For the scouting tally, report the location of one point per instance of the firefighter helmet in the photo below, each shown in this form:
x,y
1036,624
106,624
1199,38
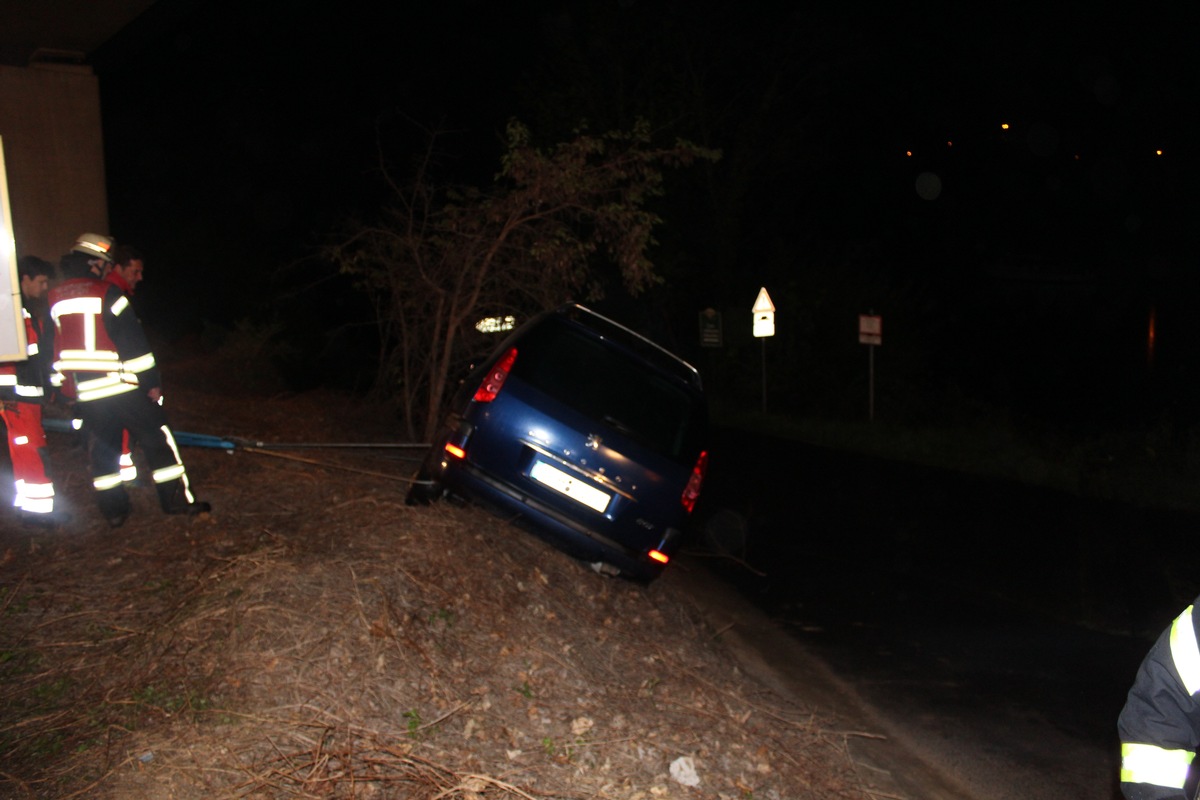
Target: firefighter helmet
x,y
94,245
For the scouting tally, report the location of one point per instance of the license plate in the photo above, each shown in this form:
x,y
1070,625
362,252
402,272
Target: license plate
x,y
575,489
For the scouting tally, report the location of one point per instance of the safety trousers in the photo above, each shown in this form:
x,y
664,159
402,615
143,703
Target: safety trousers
x,y
105,420
30,463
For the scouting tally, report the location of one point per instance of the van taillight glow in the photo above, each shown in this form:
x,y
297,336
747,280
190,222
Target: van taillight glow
x,y
692,491
455,450
494,382
661,558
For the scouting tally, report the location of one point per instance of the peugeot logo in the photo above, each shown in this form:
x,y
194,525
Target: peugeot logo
x,y
594,441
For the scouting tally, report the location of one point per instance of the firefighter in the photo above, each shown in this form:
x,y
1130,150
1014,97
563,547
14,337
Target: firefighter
x,y
126,272
24,387
1160,723
108,367
127,268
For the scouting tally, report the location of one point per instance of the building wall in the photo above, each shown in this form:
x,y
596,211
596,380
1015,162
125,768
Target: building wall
x,y
54,155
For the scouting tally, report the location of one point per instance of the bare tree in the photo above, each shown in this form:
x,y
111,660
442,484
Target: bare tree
x,y
440,259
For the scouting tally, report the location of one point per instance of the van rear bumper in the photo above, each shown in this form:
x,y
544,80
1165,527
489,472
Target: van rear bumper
x,y
572,536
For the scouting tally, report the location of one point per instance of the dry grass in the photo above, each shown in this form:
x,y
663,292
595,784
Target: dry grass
x,y
315,638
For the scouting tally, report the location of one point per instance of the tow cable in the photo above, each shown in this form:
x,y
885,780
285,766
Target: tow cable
x,y
272,448
230,444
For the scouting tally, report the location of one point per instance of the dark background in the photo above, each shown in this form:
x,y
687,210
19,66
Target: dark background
x,y
1025,279
865,168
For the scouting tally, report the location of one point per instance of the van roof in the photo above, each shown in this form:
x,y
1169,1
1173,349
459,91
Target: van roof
x,y
631,340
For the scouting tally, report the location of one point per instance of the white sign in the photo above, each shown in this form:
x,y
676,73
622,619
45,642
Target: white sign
x,y
496,324
870,329
764,314
12,326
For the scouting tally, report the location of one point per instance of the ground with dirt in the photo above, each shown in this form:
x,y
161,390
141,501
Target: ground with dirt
x,y
315,637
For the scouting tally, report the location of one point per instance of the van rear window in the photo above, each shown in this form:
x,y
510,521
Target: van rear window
x,y
610,387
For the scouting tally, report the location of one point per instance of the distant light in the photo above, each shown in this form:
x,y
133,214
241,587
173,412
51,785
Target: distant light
x,y
1003,126
908,153
1151,335
949,144
1158,152
496,324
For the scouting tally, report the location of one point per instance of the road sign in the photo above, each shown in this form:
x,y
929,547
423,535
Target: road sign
x,y
870,329
764,314
710,328
870,332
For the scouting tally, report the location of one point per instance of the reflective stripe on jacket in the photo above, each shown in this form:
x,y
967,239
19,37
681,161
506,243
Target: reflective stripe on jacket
x,y
100,342
1160,723
23,380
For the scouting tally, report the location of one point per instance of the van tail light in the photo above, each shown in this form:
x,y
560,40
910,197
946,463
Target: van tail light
x,y
669,542
455,450
691,492
494,381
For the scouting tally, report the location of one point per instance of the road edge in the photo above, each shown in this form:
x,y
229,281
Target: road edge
x,y
887,766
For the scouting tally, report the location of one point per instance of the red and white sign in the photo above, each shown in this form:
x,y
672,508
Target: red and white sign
x,y
870,329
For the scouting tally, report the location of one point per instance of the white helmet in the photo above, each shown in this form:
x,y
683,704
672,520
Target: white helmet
x,y
94,245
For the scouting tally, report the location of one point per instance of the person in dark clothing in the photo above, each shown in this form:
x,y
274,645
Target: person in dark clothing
x,y
1159,726
126,272
110,370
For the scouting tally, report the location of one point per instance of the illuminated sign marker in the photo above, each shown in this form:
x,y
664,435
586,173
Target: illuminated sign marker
x,y
496,324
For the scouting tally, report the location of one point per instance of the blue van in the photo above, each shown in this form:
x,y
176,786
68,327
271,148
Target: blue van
x,y
590,433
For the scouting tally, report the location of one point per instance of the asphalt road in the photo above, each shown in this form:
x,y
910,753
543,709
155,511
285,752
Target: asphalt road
x,y
994,627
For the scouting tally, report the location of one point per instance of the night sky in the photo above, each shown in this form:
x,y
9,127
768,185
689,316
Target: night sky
x,y
237,136
864,157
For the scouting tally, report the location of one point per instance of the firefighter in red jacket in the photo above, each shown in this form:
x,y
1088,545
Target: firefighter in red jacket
x,y
1160,723
102,351
24,386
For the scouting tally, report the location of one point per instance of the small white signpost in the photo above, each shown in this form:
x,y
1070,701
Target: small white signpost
x,y
764,314
870,333
764,326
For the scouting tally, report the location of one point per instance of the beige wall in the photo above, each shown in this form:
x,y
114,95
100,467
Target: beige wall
x,y
54,153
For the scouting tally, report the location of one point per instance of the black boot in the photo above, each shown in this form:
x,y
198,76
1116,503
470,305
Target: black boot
x,y
114,505
191,509
175,499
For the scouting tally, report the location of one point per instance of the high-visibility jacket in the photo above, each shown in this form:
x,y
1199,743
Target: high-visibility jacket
x,y
23,386
1160,723
24,381
100,344
129,471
